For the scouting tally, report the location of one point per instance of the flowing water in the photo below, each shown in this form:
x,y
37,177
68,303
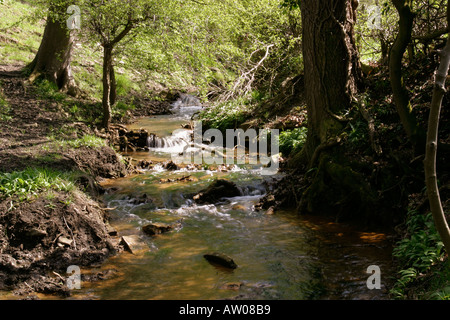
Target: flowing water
x,y
279,256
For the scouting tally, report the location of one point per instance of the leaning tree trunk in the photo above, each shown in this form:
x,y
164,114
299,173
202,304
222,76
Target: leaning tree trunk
x,y
54,56
431,148
401,98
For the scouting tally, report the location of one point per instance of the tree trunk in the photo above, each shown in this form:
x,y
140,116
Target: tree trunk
x,y
113,91
331,66
431,149
54,55
332,77
401,98
107,83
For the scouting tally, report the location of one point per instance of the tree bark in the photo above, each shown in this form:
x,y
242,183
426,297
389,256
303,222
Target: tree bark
x,y
401,98
431,149
331,66
54,56
107,72
109,76
332,78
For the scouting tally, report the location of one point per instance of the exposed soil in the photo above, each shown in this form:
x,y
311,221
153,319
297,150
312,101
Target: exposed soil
x,y
43,235
40,238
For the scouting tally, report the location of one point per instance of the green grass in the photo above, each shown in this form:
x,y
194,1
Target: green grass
x,y
49,91
25,184
88,141
20,32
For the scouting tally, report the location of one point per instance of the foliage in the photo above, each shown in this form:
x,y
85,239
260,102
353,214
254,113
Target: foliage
x,y
31,181
292,140
375,29
423,246
196,47
88,141
48,90
418,253
226,115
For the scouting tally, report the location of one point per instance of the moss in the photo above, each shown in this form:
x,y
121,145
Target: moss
x,y
338,190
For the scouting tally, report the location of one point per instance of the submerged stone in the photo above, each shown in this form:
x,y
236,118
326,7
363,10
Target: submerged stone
x,y
156,228
132,243
219,189
220,259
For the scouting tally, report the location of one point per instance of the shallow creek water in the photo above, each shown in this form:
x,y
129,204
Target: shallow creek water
x,y
279,256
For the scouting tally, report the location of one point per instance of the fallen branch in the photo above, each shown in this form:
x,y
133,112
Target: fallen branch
x,y
243,84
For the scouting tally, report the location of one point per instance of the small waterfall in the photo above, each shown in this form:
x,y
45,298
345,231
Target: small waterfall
x,y
171,144
184,108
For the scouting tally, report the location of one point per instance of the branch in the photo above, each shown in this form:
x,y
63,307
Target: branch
x,y
431,36
246,80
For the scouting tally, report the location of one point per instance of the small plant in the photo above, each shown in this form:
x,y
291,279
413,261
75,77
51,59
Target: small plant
x,y
226,115
120,109
423,247
49,91
89,141
31,181
419,252
292,140
124,85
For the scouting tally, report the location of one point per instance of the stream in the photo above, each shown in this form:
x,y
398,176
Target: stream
x,y
279,256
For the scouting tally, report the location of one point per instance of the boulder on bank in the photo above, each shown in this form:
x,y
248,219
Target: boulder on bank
x,y
220,259
219,189
129,140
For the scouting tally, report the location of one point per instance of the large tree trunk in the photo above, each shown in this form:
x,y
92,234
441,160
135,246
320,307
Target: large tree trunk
x,y
401,98
331,66
54,56
332,78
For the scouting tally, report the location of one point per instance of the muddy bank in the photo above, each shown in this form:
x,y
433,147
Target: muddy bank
x,y
41,236
40,239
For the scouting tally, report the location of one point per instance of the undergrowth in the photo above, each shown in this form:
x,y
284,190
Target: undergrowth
x,y
292,140
31,181
89,141
424,269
